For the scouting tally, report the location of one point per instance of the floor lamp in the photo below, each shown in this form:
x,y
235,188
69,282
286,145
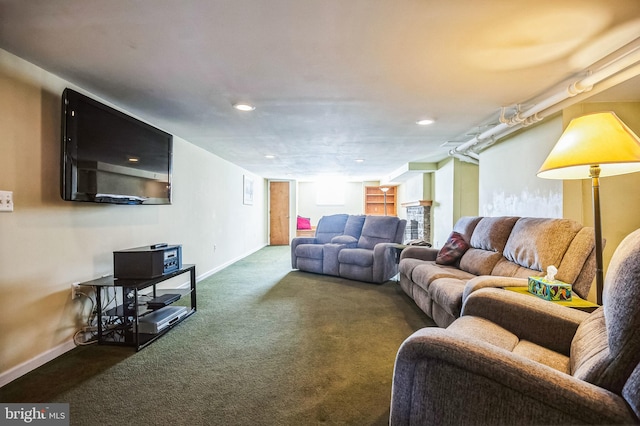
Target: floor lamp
x,y
384,190
594,146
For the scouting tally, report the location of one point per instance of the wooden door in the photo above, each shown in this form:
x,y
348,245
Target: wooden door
x,y
278,213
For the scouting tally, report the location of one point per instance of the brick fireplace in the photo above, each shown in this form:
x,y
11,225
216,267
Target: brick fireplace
x,y
418,220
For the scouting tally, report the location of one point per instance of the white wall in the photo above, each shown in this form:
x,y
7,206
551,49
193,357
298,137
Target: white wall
x,y
46,243
465,189
455,189
508,182
443,207
308,204
416,188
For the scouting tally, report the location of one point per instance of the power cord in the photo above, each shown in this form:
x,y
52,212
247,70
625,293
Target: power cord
x,y
89,327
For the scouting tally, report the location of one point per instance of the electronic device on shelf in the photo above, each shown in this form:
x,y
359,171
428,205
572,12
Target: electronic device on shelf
x,y
110,157
156,321
147,261
162,300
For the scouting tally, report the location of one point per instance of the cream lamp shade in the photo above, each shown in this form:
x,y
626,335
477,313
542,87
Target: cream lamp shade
x,y
598,139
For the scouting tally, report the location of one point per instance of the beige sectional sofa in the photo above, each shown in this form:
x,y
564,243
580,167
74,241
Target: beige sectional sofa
x,y
499,252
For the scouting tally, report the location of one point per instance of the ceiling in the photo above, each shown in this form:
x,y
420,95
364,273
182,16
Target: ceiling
x,y
332,81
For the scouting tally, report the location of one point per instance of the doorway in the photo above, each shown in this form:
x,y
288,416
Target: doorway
x,y
279,213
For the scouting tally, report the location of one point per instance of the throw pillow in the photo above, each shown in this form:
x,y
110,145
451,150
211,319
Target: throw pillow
x,y
452,250
304,222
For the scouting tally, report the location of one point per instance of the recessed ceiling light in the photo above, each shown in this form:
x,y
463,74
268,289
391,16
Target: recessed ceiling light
x,y
269,156
133,159
359,160
425,121
244,107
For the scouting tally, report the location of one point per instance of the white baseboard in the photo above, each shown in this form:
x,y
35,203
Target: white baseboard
x,y
229,263
35,362
27,366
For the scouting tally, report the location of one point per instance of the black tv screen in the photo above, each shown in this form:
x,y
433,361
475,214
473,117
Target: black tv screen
x,y
110,157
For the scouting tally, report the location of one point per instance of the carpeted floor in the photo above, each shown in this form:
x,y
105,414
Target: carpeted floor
x,y
268,346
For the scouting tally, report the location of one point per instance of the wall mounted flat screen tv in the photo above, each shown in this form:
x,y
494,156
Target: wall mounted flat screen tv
x,y
110,157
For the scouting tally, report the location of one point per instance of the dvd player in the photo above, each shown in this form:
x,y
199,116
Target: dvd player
x,y
164,300
156,321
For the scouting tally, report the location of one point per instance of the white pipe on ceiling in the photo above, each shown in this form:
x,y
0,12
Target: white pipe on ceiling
x,y
530,116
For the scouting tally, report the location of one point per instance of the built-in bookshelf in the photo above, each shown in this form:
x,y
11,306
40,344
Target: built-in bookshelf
x,y
376,201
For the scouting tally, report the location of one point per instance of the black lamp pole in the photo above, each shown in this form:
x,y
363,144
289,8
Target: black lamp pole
x,y
594,172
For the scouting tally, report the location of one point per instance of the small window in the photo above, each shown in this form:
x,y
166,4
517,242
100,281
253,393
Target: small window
x,y
330,193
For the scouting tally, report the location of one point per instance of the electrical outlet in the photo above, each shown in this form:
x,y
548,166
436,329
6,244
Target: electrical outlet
x,y
6,201
74,290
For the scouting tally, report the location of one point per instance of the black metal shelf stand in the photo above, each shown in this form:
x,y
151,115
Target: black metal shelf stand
x,y
123,328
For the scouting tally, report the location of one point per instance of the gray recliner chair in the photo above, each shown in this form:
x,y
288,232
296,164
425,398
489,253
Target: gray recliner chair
x,y
371,260
516,359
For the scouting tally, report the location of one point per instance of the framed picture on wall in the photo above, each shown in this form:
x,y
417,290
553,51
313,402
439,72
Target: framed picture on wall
x,y
247,184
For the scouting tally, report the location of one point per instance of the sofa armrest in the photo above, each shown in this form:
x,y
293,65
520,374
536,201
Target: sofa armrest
x,y
502,387
330,264
384,262
303,240
419,252
295,242
345,240
485,281
539,321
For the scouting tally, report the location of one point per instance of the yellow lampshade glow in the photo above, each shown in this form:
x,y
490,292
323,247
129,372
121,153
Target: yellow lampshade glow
x,y
599,139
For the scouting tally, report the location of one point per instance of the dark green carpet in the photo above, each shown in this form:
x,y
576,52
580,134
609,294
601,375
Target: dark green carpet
x,y
268,346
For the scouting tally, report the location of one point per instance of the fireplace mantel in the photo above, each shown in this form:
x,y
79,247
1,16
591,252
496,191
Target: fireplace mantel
x,y
417,203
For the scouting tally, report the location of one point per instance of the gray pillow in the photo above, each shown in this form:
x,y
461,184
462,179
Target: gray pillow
x,y
354,225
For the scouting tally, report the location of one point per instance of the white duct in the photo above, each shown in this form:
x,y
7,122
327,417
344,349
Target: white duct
x,y
531,115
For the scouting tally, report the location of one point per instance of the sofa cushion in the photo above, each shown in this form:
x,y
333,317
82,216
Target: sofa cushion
x,y
378,229
354,224
466,225
506,268
428,271
407,266
542,355
452,250
481,329
329,227
536,243
356,256
492,233
479,262
589,347
576,261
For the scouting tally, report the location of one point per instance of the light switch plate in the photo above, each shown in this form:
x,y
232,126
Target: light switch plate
x,y
6,201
